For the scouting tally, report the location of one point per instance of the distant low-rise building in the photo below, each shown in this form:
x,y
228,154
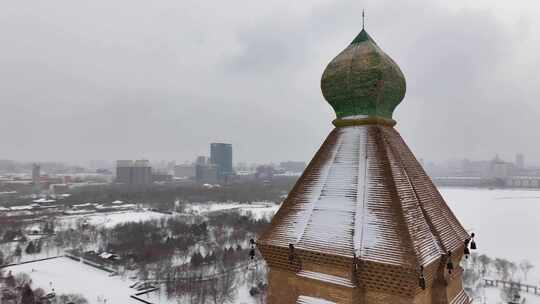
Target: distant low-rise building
x,y
59,188
523,182
264,172
293,166
162,177
500,169
207,173
185,171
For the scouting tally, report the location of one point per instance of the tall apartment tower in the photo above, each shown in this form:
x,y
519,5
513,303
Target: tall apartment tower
x,y
36,174
141,173
134,173
123,171
520,161
221,156
364,223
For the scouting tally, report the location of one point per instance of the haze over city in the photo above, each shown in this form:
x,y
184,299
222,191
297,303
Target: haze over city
x,y
269,152
133,79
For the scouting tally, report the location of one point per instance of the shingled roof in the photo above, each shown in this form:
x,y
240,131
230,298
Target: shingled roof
x,y
364,195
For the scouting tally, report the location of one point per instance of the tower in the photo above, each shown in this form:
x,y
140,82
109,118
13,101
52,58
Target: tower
x,y
520,161
221,156
134,173
364,223
36,176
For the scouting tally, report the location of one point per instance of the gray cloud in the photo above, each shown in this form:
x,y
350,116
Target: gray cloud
x,y
127,79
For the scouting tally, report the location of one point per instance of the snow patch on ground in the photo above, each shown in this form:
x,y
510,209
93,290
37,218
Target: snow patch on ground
x,y
111,219
69,276
506,222
257,210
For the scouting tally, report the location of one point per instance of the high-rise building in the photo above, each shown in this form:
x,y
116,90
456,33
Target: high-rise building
x,y
123,171
36,177
221,156
520,161
201,160
134,173
142,173
364,223
36,173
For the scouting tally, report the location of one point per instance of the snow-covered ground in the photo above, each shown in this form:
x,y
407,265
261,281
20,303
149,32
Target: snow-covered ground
x,y
492,295
68,276
257,210
111,219
506,222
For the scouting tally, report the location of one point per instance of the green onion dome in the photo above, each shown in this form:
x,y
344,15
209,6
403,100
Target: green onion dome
x,y
363,82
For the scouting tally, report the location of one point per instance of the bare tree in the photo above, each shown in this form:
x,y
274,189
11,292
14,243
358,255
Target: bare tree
x,y
213,290
70,298
485,261
525,267
222,287
503,268
513,268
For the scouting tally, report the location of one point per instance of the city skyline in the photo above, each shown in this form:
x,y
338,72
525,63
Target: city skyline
x,y
77,89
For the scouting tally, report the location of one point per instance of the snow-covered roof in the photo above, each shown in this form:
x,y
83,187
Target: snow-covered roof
x,y
23,207
44,200
364,195
82,205
124,206
106,255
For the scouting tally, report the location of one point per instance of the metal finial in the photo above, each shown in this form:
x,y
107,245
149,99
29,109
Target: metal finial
x,y
363,17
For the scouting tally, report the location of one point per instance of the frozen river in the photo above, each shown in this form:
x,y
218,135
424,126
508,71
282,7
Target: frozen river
x,y
507,222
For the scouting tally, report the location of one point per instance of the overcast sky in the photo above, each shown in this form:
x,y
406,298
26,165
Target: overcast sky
x,y
121,79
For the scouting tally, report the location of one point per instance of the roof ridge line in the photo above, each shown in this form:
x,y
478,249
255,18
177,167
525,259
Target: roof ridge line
x,y
436,196
358,251
418,203
386,153
281,213
339,145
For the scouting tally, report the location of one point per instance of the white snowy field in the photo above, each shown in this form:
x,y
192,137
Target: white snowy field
x,y
506,222
257,210
111,219
69,276
492,295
